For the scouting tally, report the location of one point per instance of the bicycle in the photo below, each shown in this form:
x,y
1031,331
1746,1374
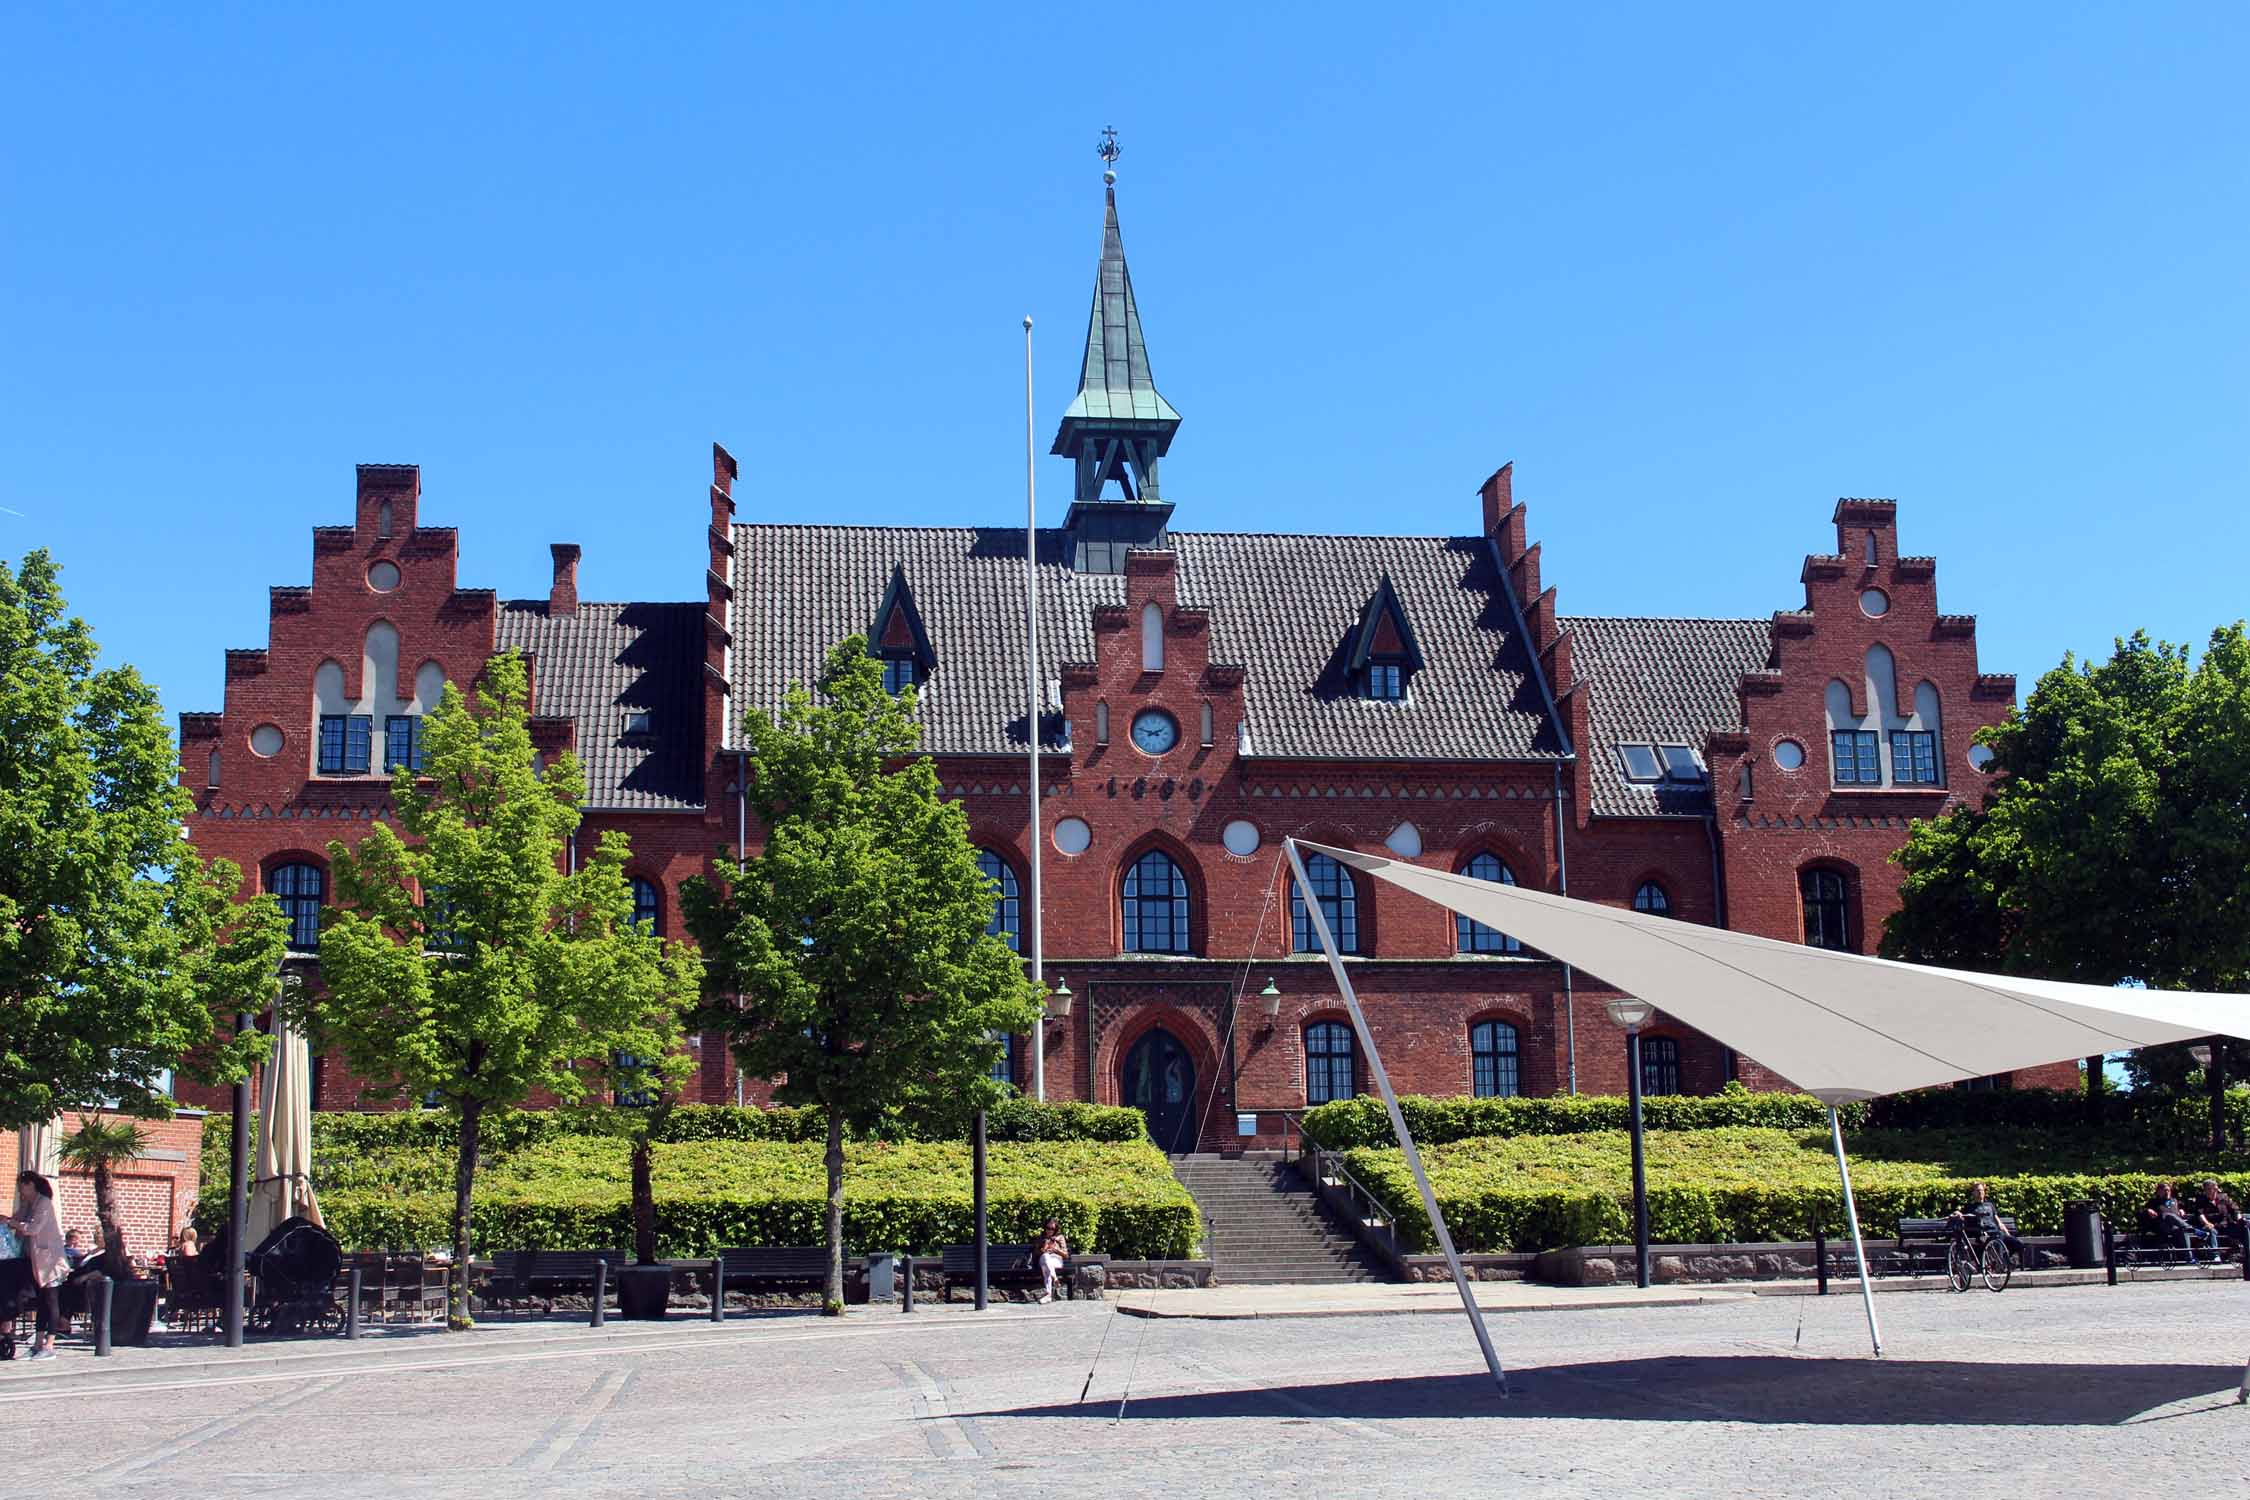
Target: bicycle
x,y
1970,1256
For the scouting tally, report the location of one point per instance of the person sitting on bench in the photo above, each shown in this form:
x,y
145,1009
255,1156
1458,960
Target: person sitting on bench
x,y
2213,1209
2168,1222
1984,1217
1050,1254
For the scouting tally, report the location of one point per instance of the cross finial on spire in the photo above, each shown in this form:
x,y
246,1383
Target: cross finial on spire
x,y
1109,151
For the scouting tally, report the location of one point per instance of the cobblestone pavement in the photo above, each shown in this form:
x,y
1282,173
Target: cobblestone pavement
x,y
2089,1389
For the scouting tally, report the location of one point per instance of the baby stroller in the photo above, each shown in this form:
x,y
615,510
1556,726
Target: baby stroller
x,y
16,1290
295,1269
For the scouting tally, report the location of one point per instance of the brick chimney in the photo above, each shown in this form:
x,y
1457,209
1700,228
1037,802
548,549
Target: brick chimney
x,y
562,598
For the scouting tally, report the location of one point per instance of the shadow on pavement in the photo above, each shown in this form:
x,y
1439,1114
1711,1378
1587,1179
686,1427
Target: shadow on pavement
x,y
1727,1388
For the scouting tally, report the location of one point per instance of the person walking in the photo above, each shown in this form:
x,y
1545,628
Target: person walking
x,y
36,1223
1053,1253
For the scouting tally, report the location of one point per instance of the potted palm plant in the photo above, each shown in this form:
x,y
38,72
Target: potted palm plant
x,y
99,1147
642,1100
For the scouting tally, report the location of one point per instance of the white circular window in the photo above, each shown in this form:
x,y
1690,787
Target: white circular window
x,y
1241,836
1788,755
1980,756
1405,841
1874,603
1072,835
266,740
383,577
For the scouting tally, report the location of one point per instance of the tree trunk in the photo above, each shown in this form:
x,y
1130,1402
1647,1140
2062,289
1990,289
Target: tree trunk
x,y
2094,1067
116,1264
2215,1079
464,1179
644,1205
833,1300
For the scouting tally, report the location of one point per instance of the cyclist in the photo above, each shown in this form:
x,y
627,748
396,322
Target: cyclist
x,y
1983,1217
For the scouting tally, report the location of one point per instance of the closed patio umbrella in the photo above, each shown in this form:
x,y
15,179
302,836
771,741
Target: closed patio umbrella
x,y
39,1149
281,1169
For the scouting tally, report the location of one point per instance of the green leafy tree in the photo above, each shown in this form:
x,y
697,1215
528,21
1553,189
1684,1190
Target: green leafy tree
x,y
122,958
469,967
99,1147
2113,844
849,959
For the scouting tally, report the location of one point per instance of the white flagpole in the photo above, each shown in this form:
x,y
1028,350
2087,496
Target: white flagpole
x,y
1398,1121
1031,710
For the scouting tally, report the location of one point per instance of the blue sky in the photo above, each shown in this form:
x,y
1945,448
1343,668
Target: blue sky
x,y
1697,272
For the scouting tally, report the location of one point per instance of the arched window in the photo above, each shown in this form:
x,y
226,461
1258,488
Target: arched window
x,y
648,906
1339,903
1826,910
1475,937
300,889
1328,1062
1653,899
1493,1061
213,778
1152,637
1007,905
383,519
1660,1065
1156,905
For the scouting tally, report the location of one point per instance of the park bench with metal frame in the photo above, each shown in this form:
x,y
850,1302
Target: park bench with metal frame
x,y
779,1268
521,1277
1006,1266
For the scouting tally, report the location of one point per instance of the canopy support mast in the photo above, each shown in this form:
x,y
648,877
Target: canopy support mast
x,y
1398,1121
1851,1216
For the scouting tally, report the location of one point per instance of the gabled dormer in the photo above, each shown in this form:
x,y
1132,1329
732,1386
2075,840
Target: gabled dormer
x,y
897,638
1384,653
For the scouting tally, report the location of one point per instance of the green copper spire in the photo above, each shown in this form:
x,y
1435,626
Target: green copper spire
x,y
1119,425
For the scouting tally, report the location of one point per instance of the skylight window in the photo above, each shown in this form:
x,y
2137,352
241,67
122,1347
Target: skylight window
x,y
1680,763
636,721
1641,763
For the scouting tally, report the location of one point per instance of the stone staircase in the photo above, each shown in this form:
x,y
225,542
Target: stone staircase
x,y
1262,1224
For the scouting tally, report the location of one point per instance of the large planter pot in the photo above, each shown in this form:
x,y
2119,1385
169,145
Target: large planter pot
x,y
132,1308
643,1291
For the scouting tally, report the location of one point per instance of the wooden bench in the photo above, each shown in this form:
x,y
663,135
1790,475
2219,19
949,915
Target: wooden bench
x,y
524,1276
1006,1266
778,1268
1922,1244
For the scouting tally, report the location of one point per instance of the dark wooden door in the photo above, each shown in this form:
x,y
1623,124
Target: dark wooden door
x,y
1160,1082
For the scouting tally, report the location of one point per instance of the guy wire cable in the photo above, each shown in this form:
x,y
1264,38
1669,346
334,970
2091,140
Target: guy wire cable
x,y
1226,1047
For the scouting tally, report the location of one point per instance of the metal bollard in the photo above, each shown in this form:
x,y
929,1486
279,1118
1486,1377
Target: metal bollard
x,y
2109,1251
351,1305
103,1288
601,1293
906,1262
1820,1255
718,1290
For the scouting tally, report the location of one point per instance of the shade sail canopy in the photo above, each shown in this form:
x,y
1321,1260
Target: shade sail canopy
x,y
281,1187
1837,1025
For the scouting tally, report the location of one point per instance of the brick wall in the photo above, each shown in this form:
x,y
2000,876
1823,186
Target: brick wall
x,y
155,1193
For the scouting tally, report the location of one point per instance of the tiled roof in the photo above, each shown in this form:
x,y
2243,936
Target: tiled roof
x,y
1656,681
1282,607
606,660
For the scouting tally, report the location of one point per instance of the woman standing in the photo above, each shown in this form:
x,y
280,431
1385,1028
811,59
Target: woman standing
x,y
35,1221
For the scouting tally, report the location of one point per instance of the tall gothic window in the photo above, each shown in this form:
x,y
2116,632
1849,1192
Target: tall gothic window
x,y
1475,937
1653,899
1156,905
648,906
1826,910
1007,906
1494,1071
1338,894
300,889
1328,1062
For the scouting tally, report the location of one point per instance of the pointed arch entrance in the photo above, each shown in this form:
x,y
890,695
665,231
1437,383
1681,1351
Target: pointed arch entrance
x,y
1158,1079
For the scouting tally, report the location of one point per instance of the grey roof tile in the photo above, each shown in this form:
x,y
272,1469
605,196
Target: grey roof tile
x,y
1659,681
606,660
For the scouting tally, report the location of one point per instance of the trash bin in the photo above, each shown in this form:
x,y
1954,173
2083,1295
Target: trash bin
x,y
882,1271
2084,1244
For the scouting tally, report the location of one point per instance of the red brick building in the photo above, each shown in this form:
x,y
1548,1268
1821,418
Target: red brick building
x,y
1204,696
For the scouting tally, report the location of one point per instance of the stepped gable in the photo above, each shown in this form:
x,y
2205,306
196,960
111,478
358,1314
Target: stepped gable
x,y
600,662
1659,681
1286,609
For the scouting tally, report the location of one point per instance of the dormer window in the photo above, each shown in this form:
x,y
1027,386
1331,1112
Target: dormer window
x,y
897,640
1680,763
1640,762
1384,655
900,673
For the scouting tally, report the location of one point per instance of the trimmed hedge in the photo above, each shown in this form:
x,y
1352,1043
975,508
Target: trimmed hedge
x,y
574,1193
2159,1118
1746,1184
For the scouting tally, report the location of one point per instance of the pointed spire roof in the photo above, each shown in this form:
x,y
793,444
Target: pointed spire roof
x,y
1114,383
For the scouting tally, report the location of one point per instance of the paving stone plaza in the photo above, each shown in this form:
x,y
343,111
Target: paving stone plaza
x,y
2083,1389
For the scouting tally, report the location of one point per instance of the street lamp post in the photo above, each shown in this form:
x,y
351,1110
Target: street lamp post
x,y
1633,1014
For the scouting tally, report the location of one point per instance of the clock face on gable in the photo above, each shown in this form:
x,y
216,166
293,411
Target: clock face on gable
x,y
1154,731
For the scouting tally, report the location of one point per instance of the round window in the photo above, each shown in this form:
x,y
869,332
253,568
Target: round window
x,y
1980,756
1788,754
266,740
1874,604
1241,836
1072,836
383,577
1405,841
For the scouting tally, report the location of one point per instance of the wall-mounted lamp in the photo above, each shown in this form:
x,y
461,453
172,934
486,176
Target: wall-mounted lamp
x,y
1269,1003
1058,1001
